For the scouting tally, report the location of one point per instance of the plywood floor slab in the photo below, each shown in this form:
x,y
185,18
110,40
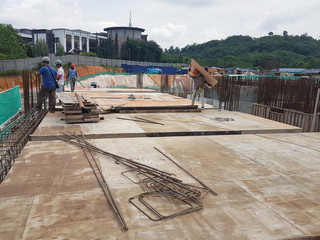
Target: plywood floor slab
x,y
206,122
267,185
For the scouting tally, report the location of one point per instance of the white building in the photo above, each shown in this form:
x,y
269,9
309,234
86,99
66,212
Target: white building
x,y
72,40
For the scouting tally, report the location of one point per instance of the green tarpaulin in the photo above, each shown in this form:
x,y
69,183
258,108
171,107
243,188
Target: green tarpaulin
x,y
10,103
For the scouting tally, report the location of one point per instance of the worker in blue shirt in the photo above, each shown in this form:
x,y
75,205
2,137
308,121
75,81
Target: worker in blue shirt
x,y
49,75
72,76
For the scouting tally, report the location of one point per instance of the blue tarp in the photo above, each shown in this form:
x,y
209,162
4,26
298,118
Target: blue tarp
x,y
143,69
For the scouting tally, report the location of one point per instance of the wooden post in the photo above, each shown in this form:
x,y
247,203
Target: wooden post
x,y
313,125
25,75
139,80
164,83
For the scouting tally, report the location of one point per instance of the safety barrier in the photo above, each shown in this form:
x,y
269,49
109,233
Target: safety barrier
x,y
287,116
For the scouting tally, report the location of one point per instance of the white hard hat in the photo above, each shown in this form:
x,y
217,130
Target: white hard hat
x,y
46,59
59,62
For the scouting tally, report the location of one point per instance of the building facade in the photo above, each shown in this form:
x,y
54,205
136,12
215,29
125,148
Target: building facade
x,y
73,41
76,40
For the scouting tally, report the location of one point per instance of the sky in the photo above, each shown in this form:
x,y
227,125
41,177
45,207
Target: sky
x,y
169,23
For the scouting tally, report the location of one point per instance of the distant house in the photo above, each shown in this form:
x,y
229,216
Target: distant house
x,y
313,72
296,72
288,71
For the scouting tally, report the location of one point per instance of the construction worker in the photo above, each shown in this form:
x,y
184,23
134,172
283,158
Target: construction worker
x,y
72,76
60,76
48,87
199,83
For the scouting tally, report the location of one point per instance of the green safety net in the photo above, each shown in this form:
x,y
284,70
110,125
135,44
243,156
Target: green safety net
x,y
10,103
257,77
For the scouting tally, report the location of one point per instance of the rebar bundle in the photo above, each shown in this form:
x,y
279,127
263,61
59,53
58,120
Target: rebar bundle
x,y
156,183
15,137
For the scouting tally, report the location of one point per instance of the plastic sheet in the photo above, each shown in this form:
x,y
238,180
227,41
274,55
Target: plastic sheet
x,y
10,103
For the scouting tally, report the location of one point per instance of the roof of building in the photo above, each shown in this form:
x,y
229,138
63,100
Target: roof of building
x,y
73,30
312,71
288,70
123,27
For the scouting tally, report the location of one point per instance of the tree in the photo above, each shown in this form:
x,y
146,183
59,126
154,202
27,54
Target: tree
x,y
60,49
11,44
270,33
41,48
153,51
102,48
138,50
116,45
30,50
285,33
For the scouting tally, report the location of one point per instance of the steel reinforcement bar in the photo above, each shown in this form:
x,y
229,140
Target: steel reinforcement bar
x,y
15,137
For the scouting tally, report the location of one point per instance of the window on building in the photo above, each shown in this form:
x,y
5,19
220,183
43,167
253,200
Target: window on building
x,y
76,42
68,42
84,43
92,45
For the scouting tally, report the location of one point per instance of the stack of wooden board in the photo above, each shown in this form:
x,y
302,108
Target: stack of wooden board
x,y
77,109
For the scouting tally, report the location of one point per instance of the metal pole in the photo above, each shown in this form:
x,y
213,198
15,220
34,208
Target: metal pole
x,y
313,125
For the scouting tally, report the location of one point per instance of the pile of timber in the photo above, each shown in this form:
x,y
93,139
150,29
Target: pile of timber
x,y
78,109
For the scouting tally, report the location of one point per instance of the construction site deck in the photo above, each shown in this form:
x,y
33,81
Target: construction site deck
x,y
265,175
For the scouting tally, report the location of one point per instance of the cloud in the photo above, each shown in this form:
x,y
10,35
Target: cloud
x,y
191,3
39,14
210,34
169,23
169,35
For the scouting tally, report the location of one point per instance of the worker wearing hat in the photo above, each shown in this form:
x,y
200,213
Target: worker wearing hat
x,y
199,83
60,76
72,76
201,79
48,87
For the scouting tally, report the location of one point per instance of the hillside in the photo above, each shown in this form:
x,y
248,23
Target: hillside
x,y
265,52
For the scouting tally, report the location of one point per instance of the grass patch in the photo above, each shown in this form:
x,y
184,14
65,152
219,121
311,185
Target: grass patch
x,y
12,72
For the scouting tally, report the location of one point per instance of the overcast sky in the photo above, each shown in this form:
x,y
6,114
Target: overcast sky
x,y
170,22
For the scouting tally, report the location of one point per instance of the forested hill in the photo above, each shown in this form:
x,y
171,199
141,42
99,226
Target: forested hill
x,y
265,52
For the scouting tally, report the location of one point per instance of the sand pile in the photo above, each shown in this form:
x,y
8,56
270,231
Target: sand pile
x,y
103,81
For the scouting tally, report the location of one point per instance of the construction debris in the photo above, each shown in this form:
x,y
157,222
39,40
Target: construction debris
x,y
155,182
138,119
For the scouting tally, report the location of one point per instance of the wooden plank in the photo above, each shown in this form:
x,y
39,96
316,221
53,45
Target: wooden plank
x,y
79,100
90,120
70,117
67,98
67,111
210,79
159,110
74,121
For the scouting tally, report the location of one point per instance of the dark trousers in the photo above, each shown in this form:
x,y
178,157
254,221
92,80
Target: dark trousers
x,y
72,83
52,97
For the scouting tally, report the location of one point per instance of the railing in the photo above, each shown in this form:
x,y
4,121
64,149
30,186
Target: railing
x,y
287,116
